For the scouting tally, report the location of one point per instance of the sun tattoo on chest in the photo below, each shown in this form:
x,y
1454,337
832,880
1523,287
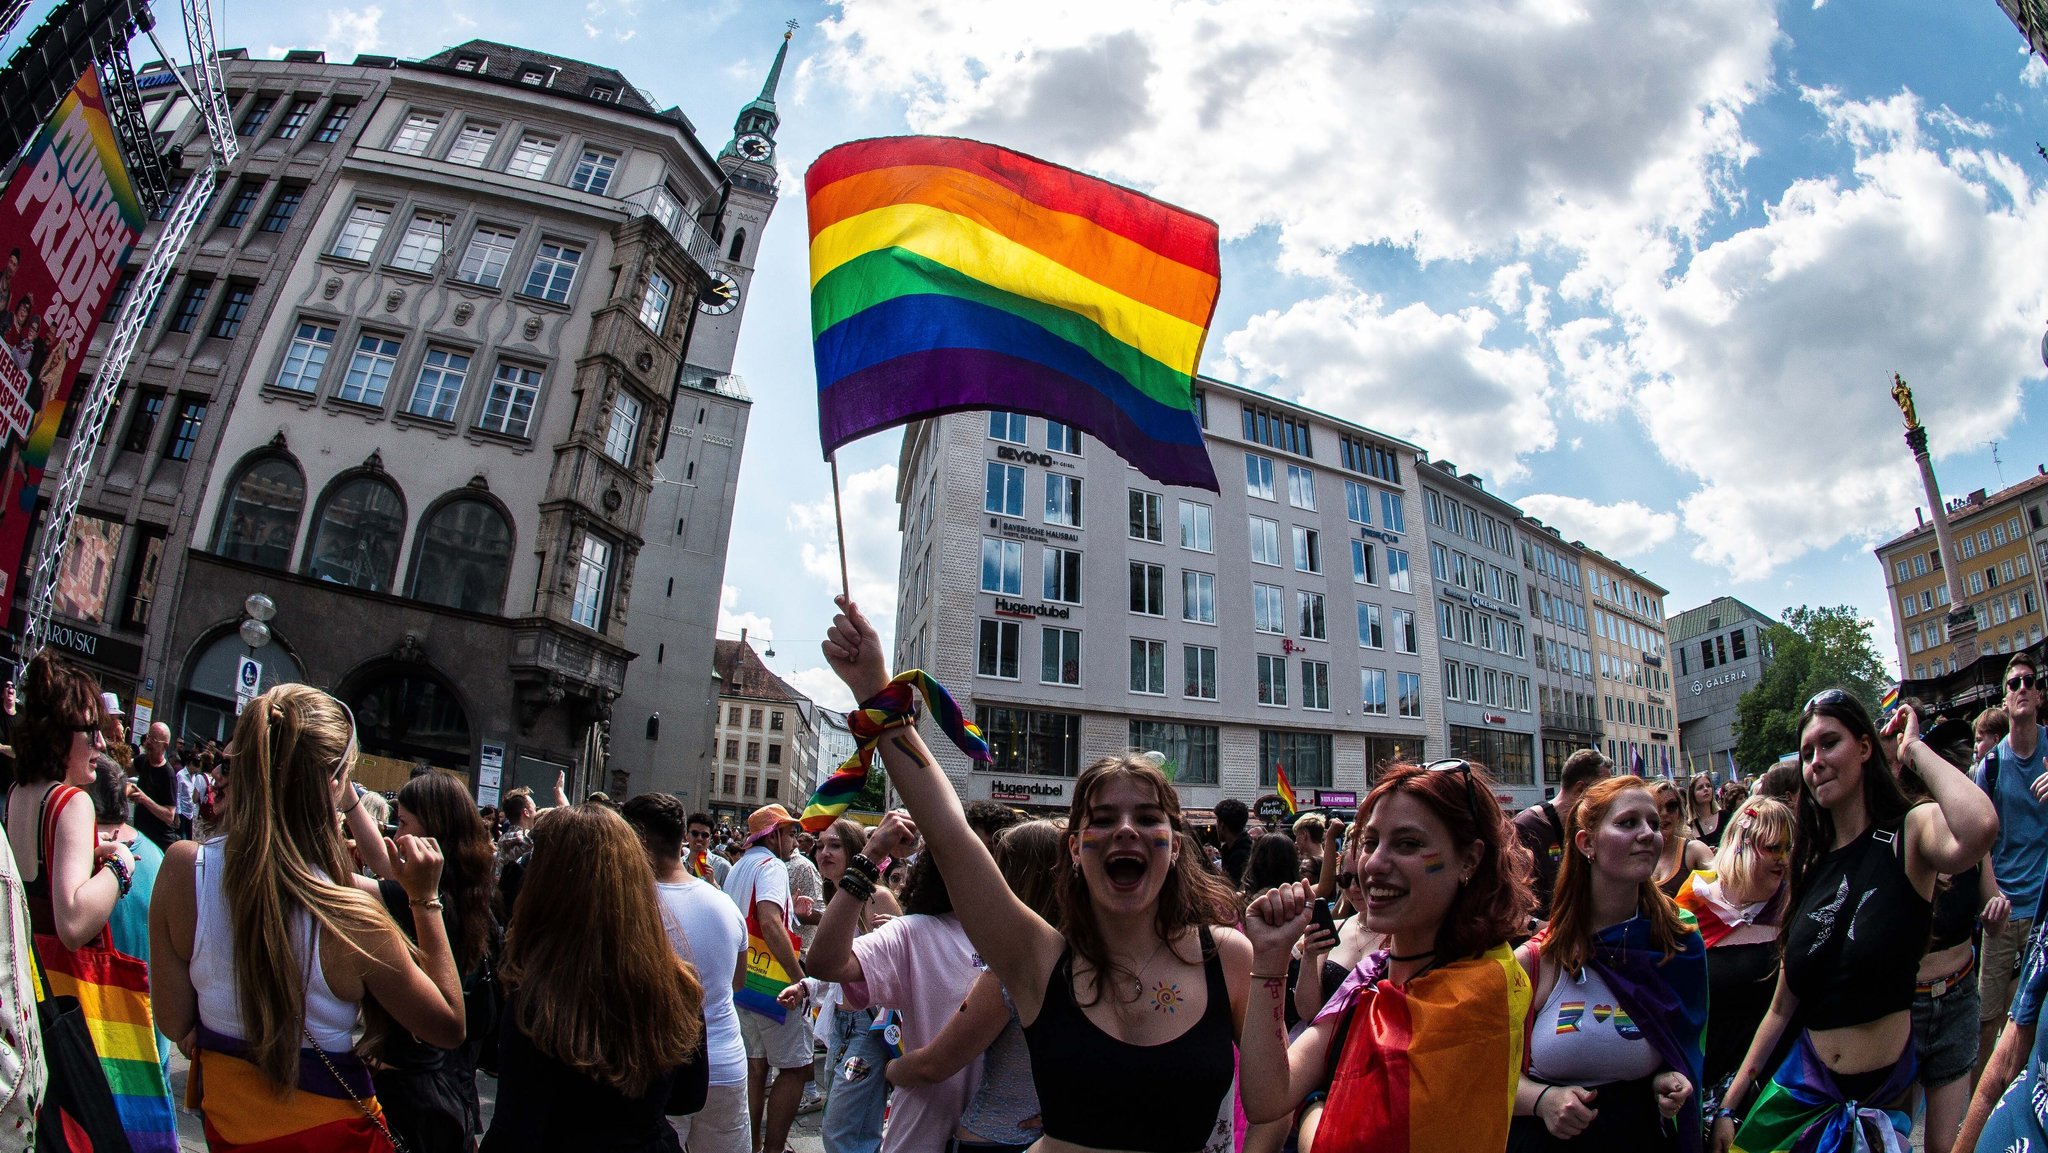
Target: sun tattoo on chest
x,y
1167,997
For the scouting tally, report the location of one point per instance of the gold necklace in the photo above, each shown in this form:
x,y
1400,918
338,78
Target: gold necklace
x,y
1138,978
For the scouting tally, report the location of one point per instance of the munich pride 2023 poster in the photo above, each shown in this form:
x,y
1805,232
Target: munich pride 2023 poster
x,y
68,219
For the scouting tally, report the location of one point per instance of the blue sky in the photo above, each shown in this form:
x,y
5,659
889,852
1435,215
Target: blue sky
x,y
1644,267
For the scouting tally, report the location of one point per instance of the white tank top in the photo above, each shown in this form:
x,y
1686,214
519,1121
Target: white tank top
x,y
1582,1036
330,1019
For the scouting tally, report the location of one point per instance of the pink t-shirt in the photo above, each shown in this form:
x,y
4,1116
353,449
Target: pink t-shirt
x,y
922,966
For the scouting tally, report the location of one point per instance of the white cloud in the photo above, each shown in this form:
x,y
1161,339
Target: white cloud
x,y
351,31
1763,369
760,630
1621,530
823,686
1452,129
872,546
1424,376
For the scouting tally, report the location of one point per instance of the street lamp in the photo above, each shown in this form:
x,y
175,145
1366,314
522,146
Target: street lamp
x,y
257,610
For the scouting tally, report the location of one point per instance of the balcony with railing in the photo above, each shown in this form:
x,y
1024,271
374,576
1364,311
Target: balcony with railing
x,y
723,383
662,205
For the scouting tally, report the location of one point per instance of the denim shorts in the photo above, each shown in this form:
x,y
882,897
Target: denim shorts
x,y
1945,1033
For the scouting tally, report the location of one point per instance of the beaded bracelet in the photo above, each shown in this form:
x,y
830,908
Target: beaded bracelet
x,y
859,863
856,886
122,874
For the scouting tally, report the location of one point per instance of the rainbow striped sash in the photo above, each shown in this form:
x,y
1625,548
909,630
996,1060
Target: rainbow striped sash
x,y
113,993
1803,1109
244,1113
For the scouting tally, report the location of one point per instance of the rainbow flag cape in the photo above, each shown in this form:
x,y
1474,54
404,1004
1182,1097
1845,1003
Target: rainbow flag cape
x,y
1802,1108
1285,789
948,274
243,1113
1721,922
1667,999
1430,1066
870,721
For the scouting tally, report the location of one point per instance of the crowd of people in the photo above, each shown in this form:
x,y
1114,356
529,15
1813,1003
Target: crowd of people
x,y
1808,961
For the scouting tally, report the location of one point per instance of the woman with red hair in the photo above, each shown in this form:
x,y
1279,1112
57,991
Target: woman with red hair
x,y
1399,1052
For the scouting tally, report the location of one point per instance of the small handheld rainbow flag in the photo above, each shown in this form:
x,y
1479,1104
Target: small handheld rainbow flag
x,y
836,793
1285,790
700,864
948,274
1890,701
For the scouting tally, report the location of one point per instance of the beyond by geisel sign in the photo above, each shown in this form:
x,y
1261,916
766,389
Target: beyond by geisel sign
x,y
1026,456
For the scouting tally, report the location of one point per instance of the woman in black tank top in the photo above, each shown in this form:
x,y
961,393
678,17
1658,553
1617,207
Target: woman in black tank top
x,y
1132,1007
1866,858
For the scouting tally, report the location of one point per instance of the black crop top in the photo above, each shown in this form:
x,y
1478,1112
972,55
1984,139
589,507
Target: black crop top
x,y
1853,946
1955,910
1094,1090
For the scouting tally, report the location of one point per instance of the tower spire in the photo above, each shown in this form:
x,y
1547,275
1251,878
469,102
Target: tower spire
x,y
775,70
754,130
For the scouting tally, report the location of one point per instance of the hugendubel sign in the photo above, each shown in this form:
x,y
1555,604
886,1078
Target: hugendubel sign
x,y
67,222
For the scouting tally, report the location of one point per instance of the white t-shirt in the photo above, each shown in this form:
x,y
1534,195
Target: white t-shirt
x,y
708,932
760,875
922,966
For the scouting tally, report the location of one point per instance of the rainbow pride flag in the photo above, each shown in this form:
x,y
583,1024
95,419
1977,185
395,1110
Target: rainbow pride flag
x,y
1285,789
113,993
244,1114
948,274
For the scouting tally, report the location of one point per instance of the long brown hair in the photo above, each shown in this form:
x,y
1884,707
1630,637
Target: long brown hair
x,y
587,908
1494,905
1029,856
853,837
1192,895
445,811
284,855
1569,941
56,698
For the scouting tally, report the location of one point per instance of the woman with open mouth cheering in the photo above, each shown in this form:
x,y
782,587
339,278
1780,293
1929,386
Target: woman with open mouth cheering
x,y
1131,1009
1418,1048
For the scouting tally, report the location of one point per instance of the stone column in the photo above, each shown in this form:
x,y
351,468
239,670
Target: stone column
x,y
1961,621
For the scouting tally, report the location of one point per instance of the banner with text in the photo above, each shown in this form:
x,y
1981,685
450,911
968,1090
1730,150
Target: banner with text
x,y
68,219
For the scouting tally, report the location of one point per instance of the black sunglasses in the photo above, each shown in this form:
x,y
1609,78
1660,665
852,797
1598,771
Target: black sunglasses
x,y
2019,681
1827,697
1471,789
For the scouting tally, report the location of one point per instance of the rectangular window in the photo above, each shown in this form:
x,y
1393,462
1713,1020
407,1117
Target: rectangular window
x,y
1190,750
1370,635
1059,656
1002,567
369,370
425,239
416,133
185,437
259,114
1364,568
1315,686
1148,589
1198,597
1301,487
336,123
1397,571
1404,631
1393,517
593,567
1309,616
532,157
242,204
233,308
1446,621
1148,667
360,232
1062,438
554,271
1198,668
1277,430
1196,531
1146,520
146,563
1451,681
1357,502
1268,615
1370,459
654,301
1063,575
1043,744
1265,541
190,305
294,121
149,408
1272,680
997,653
1003,490
514,392
473,145
1063,500
306,358
1409,688
1738,644
1258,476
283,207
439,387
622,427
1458,570
484,261
1013,427
1308,550
1304,756
593,172
1920,564
1372,692
1968,547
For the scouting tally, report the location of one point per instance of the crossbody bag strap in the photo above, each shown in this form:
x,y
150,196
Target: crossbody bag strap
x,y
376,1118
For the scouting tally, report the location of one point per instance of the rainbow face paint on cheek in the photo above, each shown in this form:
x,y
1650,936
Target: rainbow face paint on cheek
x,y
1432,862
1094,840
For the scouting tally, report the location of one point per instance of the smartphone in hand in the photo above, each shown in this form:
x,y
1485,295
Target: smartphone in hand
x,y
1319,916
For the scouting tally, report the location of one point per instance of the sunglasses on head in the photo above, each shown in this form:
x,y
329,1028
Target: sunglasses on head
x,y
1826,698
1471,795
2019,681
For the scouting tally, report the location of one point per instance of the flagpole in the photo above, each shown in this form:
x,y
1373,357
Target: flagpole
x,y
839,525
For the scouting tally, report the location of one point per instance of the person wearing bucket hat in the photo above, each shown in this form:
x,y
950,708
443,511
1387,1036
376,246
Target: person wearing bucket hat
x,y
776,1039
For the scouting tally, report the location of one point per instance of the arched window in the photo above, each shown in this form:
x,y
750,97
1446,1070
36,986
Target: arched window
x,y
464,556
739,244
259,521
355,534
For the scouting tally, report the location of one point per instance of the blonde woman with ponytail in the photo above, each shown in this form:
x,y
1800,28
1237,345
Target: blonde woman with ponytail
x,y
263,944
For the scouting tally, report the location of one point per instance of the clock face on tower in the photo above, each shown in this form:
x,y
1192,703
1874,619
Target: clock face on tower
x,y
723,297
754,146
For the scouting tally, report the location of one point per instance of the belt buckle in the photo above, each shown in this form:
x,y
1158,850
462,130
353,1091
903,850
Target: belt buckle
x,y
1940,987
